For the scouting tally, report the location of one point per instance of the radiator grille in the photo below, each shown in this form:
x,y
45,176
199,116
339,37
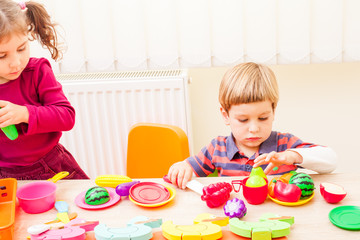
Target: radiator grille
x,y
108,104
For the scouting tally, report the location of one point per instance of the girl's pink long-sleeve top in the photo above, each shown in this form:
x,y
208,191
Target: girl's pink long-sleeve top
x,y
50,113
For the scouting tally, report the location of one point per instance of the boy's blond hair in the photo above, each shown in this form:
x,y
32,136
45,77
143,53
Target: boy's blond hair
x,y
248,83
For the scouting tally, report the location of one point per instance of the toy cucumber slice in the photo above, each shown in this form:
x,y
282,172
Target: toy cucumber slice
x,y
11,132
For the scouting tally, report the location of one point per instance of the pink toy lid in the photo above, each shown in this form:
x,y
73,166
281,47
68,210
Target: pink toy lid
x,y
149,193
80,200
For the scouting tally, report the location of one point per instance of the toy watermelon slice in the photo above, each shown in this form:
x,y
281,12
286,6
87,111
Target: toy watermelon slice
x,y
96,196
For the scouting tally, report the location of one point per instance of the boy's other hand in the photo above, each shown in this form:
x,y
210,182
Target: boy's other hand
x,y
180,173
276,159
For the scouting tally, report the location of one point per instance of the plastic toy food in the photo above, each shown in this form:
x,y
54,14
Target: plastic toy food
x,y
123,189
268,229
271,186
287,192
286,176
256,178
139,228
304,182
255,181
235,208
202,230
74,230
216,194
111,180
96,196
10,131
332,193
258,171
207,217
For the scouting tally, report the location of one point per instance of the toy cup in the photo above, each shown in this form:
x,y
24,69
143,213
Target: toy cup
x,y
253,195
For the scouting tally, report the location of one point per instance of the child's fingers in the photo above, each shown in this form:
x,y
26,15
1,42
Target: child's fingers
x,y
172,175
269,168
187,177
260,160
181,180
3,103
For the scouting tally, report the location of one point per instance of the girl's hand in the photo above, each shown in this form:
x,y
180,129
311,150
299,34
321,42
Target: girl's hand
x,y
276,159
11,113
180,173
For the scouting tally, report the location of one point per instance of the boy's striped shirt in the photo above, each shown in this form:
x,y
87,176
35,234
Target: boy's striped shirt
x,y
223,154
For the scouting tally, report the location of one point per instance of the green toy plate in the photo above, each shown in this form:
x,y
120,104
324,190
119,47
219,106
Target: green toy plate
x,y
346,217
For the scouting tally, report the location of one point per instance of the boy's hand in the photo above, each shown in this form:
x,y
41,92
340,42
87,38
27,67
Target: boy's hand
x,y
180,173
276,159
11,113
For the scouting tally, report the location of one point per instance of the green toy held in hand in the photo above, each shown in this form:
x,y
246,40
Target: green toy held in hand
x,y
11,132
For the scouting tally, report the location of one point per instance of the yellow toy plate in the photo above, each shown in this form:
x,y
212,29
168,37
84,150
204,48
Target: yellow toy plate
x,y
172,196
300,202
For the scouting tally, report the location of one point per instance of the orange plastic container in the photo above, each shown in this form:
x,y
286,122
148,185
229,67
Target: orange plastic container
x,y
7,207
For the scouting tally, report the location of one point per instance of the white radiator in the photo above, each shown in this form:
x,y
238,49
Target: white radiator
x,y
108,104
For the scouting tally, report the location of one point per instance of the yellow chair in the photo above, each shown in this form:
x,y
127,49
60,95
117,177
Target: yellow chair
x,y
153,148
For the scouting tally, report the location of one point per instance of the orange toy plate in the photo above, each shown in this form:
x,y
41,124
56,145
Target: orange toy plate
x,y
172,196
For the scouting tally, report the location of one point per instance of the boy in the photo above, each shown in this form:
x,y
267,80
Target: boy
x,y
248,96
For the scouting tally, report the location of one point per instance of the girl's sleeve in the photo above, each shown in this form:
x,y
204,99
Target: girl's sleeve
x,y
54,113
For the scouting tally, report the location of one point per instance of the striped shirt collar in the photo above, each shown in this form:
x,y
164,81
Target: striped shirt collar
x,y
267,146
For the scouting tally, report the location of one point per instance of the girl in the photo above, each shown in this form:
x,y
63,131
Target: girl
x,y
31,98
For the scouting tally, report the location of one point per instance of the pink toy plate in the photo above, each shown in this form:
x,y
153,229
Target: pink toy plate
x,y
149,193
80,200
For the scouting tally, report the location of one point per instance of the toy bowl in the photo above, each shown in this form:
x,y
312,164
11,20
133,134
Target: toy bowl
x,y
253,195
37,197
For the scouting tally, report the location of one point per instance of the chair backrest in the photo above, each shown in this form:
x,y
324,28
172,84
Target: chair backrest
x,y
153,148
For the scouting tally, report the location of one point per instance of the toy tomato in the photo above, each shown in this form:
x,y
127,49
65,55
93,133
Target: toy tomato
x,y
216,194
287,192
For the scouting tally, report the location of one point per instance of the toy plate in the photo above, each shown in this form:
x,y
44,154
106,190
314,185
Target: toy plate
x,y
149,193
300,202
172,196
80,200
346,217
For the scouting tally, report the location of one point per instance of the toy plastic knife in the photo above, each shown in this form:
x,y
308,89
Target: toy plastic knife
x,y
194,185
63,209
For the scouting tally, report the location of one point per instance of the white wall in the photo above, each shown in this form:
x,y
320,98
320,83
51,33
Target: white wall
x,y
318,103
